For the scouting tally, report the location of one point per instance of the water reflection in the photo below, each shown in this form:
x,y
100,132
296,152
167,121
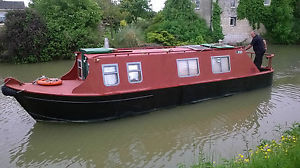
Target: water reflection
x,y
162,138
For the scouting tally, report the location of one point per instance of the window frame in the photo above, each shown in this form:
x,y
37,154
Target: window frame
x,y
267,4
117,72
140,70
234,23
2,17
81,73
221,56
197,4
232,3
186,59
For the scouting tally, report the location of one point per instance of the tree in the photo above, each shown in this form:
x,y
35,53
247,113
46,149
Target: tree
x,y
24,37
297,20
112,15
135,8
71,24
280,18
280,26
179,19
216,22
253,10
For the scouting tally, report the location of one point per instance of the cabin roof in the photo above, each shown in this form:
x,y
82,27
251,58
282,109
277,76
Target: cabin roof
x,y
104,52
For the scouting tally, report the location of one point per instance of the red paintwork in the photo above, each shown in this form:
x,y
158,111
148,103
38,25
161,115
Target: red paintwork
x,y
159,69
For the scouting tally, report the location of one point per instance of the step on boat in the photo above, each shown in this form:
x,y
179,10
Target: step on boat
x,y
107,83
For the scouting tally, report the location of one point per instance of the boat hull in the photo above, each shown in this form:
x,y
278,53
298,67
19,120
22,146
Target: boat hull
x,y
99,108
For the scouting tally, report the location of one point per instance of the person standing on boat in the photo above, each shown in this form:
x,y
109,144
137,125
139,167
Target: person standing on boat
x,y
259,46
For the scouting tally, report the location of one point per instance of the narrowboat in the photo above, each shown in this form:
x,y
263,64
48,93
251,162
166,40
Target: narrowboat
x,y
107,83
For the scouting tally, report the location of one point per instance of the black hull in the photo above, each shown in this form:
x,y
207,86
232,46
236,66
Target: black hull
x,y
87,109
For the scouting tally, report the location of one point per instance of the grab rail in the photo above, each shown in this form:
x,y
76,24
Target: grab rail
x,y
269,57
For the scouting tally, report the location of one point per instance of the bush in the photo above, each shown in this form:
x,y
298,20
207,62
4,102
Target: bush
x,y
281,18
163,37
72,24
179,19
269,154
24,37
217,33
280,27
129,36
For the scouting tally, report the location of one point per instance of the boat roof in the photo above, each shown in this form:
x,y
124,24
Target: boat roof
x,y
98,52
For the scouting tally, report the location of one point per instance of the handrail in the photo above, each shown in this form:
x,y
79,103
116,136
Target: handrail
x,y
269,57
167,51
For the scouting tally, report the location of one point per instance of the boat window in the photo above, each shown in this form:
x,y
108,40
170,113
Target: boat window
x,y
188,67
134,71
220,64
79,68
110,74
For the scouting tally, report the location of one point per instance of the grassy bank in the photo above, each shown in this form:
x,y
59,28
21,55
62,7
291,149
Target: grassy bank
x,y
284,153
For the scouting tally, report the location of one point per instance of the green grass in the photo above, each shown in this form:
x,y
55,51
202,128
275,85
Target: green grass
x,y
284,153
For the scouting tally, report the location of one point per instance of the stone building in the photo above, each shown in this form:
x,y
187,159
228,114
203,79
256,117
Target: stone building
x,y
234,30
204,9
6,6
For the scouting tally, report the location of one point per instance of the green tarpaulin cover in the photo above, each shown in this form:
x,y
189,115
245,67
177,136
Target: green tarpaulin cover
x,y
97,50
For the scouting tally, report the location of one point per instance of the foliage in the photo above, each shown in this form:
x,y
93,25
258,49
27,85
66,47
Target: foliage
x,y
162,37
123,23
112,15
179,19
71,24
280,27
216,22
24,37
280,18
297,19
253,10
2,40
133,9
269,154
129,36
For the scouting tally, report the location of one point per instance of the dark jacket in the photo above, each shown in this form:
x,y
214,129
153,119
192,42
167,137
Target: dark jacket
x,y
258,44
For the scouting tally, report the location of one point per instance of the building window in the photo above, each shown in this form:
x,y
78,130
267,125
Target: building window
x,y
188,67
232,4
197,3
79,69
110,74
134,71
220,64
267,2
232,21
2,17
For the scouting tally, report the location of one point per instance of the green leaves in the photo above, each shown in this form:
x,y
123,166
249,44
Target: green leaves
x,y
179,24
253,10
280,18
216,22
72,24
135,8
25,37
162,37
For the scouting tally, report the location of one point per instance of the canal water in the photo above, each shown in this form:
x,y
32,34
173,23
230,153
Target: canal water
x,y
214,129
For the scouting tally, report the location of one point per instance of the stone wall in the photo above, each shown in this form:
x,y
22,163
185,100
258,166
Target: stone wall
x,y
238,33
204,10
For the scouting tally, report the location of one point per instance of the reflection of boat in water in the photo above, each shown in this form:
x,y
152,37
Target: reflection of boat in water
x,y
158,140
107,84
